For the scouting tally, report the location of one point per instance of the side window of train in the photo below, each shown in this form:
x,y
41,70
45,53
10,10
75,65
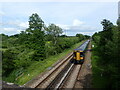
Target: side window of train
x,y
74,53
81,54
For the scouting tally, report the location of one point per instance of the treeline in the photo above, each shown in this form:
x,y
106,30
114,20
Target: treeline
x,y
36,43
108,47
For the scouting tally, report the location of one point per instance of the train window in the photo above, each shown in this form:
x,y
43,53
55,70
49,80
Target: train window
x,y
81,54
75,54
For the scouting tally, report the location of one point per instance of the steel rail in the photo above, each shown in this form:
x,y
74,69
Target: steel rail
x,y
62,79
57,67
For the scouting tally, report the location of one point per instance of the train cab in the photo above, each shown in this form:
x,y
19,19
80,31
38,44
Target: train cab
x,y
78,56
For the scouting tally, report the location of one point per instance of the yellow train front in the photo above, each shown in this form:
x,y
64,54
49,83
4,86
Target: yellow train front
x,y
78,56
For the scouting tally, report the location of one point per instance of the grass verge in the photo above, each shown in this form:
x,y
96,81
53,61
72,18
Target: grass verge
x,y
38,67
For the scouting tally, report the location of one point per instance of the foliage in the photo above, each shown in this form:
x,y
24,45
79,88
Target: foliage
x,y
21,76
96,37
53,32
7,63
82,37
107,42
98,79
63,36
36,36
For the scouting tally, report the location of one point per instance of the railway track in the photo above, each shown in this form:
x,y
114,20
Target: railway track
x,y
57,82
72,78
63,75
50,76
66,78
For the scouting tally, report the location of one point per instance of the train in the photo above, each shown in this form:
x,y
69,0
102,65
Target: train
x,y
78,54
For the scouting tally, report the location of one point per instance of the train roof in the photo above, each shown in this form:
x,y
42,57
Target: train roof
x,y
83,46
78,49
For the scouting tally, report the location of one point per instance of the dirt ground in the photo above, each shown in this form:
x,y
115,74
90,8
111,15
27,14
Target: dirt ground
x,y
85,75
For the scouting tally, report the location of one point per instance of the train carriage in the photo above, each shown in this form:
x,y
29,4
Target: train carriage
x,y
78,54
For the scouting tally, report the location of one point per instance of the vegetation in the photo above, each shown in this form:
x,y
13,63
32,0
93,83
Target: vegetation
x,y
81,36
37,67
105,58
29,52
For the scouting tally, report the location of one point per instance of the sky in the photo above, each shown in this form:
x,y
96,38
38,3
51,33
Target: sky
x,y
72,17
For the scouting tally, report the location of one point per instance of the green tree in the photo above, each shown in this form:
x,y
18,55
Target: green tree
x,y
107,31
108,52
106,38
87,36
96,37
54,32
118,23
3,41
7,62
118,29
80,36
36,36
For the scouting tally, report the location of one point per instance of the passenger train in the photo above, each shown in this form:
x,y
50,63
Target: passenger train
x,y
78,54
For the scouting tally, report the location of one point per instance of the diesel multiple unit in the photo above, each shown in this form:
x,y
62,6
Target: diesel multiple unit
x,y
78,54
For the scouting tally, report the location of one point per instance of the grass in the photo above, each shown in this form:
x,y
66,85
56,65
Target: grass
x,y
38,67
98,81
3,49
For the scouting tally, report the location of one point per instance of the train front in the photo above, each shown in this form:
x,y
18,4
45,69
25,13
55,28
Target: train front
x,y
78,56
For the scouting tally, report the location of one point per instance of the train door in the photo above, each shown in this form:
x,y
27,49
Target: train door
x,y
77,55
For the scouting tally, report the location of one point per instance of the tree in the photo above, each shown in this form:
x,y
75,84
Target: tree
x,y
87,36
54,32
106,38
8,61
118,23
96,37
80,36
3,40
107,50
63,36
36,36
107,31
118,29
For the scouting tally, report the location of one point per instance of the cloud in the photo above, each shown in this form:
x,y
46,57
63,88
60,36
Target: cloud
x,y
13,27
2,13
83,28
24,24
9,25
78,27
66,27
77,22
9,31
61,13
17,23
87,33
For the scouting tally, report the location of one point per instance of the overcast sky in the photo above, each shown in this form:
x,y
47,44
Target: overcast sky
x,y
72,17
